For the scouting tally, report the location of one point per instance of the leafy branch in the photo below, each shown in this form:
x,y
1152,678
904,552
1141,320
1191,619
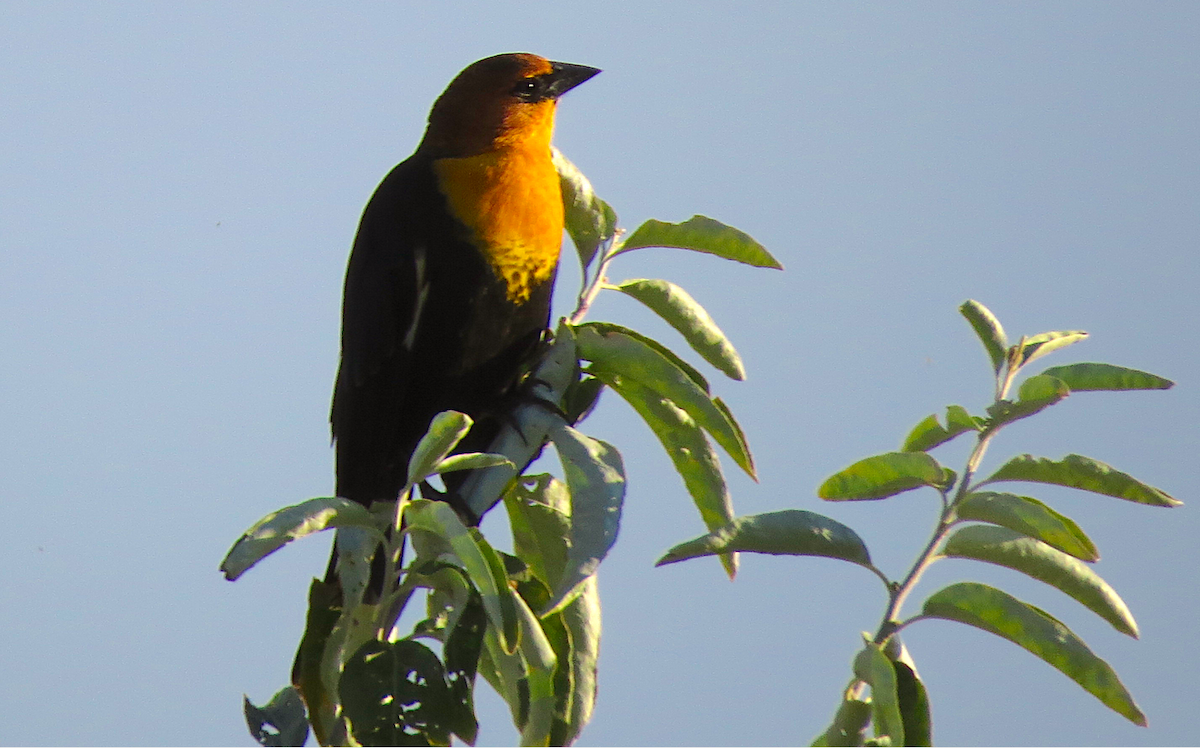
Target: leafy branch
x,y
1005,529
529,622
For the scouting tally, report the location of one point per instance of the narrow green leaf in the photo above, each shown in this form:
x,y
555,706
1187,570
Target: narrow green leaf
x,y
702,234
277,529
929,433
540,661
988,328
324,611
471,461
914,705
685,314
882,476
462,650
1084,473
589,221
576,696
281,721
791,532
1005,616
477,559
620,354
1092,377
1039,345
604,328
873,666
1030,517
1036,394
445,432
849,725
596,479
1005,547
689,449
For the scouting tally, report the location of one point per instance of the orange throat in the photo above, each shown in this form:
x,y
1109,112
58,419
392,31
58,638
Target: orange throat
x,y
511,201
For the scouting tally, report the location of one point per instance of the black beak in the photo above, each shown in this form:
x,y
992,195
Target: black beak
x,y
566,76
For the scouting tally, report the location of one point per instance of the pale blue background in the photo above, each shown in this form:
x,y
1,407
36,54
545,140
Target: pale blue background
x,y
179,187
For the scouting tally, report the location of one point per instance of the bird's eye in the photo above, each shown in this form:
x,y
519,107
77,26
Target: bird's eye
x,y
528,89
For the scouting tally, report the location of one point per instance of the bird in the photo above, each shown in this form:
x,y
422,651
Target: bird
x,y
448,287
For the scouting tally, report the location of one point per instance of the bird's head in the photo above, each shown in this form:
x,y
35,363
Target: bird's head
x,y
503,101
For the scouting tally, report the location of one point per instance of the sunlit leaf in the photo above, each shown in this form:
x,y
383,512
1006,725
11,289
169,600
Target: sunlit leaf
x,y
1084,473
929,433
1035,630
445,432
277,529
596,479
1030,517
477,559
1091,377
702,234
791,532
1039,345
590,222
604,328
685,443
873,666
989,330
620,354
1035,394
577,664
685,314
471,461
1005,547
882,476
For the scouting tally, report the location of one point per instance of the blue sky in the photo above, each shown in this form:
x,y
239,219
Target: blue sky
x,y
179,188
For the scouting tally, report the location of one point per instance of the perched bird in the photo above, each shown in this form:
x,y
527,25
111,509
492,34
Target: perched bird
x,y
448,287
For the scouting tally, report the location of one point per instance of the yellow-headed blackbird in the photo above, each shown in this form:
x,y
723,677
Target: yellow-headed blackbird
x,y
448,287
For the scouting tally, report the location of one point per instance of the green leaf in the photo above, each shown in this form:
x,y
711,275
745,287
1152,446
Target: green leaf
x,y
324,611
576,676
914,705
476,558
280,722
791,532
702,234
873,666
1005,547
1039,345
988,328
617,353
685,314
581,398
1036,394
395,693
277,529
1084,473
929,433
589,221
1093,377
882,476
472,461
689,449
1030,517
849,725
596,479
445,432
1005,616
539,512
604,328
540,661
462,650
